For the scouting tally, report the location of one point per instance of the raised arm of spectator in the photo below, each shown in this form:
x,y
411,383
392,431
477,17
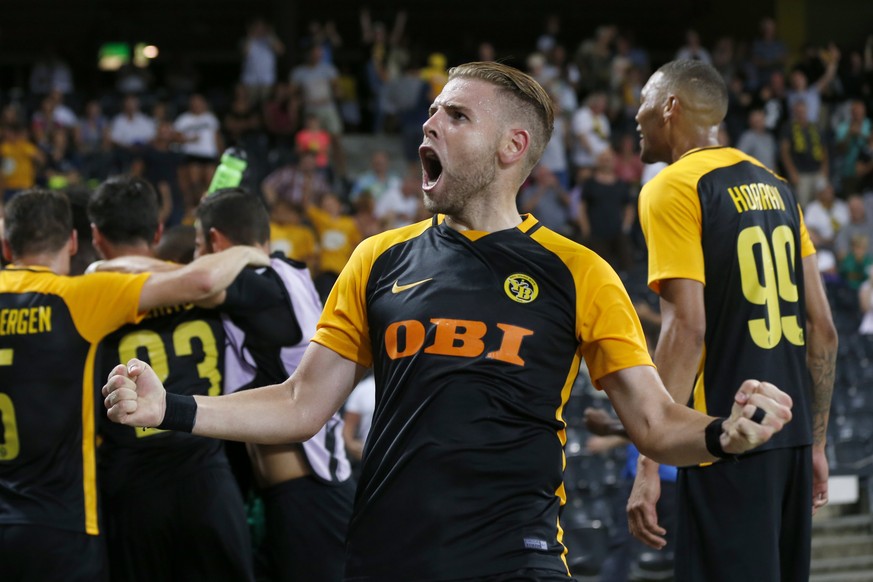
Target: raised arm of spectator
x,y
831,60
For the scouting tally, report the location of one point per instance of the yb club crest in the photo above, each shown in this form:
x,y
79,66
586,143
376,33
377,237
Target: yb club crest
x,y
521,288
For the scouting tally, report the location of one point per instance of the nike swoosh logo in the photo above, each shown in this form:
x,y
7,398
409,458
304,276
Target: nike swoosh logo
x,y
401,288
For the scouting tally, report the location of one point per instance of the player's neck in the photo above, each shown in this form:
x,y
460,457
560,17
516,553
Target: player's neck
x,y
140,249
58,263
702,138
484,221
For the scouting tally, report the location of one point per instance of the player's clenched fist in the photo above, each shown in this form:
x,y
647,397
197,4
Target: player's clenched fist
x,y
134,396
760,410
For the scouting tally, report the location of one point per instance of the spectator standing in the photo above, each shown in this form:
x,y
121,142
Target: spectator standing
x,y
769,53
299,184
855,267
758,142
261,49
803,153
129,131
774,97
200,134
160,167
591,131
315,139
20,160
399,207
851,136
93,143
282,115
555,156
338,235
801,89
547,200
289,234
317,83
378,180
859,223
693,49
606,213
825,216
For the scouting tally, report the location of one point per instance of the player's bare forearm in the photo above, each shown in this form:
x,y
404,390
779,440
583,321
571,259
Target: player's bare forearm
x,y
674,434
822,369
821,349
680,344
292,411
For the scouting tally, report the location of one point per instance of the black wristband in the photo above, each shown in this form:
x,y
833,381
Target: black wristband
x,y
713,440
180,413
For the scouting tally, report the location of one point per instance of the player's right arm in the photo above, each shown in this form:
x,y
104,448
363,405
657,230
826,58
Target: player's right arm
x,y
293,411
200,279
821,358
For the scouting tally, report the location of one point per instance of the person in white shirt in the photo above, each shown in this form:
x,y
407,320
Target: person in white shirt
x,y
825,216
591,131
198,129
129,132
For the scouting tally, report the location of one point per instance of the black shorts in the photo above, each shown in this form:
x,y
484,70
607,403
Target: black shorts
x,y
31,553
307,521
746,520
194,529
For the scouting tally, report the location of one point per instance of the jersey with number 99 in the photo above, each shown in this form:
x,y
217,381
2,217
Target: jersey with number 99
x,y
720,217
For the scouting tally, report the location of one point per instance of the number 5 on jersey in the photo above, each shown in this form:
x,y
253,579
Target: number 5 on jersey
x,y
9,445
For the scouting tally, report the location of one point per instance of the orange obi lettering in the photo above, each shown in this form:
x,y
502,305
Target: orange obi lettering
x,y
454,337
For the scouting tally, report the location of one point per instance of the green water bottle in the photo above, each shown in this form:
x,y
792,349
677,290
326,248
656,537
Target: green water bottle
x,y
229,172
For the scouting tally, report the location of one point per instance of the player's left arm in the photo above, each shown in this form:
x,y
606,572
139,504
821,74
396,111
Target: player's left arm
x,y
674,434
821,356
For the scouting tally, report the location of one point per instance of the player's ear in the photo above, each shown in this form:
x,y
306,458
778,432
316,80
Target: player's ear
x,y
514,146
158,234
97,241
671,106
217,240
7,251
74,242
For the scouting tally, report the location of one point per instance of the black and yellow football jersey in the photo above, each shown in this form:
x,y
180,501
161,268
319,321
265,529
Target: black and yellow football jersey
x,y
185,346
476,339
720,217
49,329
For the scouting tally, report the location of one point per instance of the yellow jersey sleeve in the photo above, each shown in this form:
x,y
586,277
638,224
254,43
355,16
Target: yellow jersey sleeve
x,y
609,332
343,325
611,336
807,248
102,302
671,220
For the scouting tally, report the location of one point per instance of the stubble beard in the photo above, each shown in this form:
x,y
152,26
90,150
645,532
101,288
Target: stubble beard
x,y
461,188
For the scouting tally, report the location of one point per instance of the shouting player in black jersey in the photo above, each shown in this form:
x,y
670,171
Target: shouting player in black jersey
x,y
475,323
740,295
50,325
190,522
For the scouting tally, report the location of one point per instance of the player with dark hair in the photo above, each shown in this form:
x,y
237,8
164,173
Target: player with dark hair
x,y
741,295
475,323
50,325
307,489
190,508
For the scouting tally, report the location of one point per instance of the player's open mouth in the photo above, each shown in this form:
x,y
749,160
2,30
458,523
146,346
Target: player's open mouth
x,y
431,167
